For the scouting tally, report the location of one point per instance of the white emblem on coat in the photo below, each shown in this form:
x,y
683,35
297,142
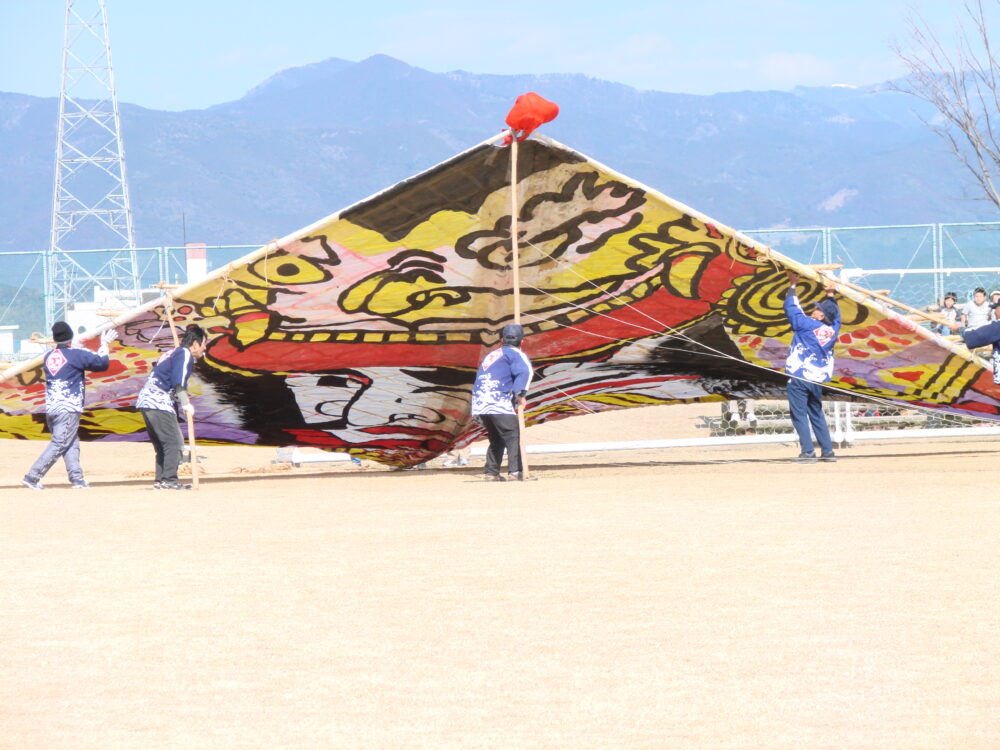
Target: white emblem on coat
x,y
55,361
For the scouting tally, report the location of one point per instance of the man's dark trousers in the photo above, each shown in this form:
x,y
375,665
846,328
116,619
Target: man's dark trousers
x,y
806,402
504,435
165,435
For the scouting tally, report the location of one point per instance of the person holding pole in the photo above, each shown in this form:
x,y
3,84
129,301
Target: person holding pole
x,y
501,384
64,368
809,364
166,388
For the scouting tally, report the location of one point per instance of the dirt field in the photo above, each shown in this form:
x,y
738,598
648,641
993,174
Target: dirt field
x,y
690,598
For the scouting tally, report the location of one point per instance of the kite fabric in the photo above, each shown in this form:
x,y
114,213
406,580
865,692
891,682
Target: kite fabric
x,y
362,332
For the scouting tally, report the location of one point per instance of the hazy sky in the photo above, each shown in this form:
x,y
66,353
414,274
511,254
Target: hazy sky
x,y
181,54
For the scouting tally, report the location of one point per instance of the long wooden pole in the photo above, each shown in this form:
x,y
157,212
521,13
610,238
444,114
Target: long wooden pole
x,y
169,308
888,300
517,288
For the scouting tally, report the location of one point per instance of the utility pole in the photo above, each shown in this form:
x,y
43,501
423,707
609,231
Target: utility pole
x,y
91,205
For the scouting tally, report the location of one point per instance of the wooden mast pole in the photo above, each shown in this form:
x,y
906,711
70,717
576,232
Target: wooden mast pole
x,y
517,286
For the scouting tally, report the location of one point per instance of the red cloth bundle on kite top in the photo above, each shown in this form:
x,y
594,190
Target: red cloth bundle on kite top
x,y
529,112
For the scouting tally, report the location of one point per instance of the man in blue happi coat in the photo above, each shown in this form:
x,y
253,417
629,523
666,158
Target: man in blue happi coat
x,y
809,364
500,387
64,368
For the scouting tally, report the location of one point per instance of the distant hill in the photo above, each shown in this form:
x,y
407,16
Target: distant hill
x,y
24,308
313,139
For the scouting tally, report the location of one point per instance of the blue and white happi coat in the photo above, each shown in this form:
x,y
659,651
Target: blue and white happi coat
x,y
810,356
171,371
503,373
64,369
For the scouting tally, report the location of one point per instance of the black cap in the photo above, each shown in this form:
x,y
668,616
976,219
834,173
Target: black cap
x,y
951,295
512,334
829,309
61,332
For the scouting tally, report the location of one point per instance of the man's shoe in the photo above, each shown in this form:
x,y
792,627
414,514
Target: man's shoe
x,y
829,457
81,485
805,458
32,484
493,478
451,462
174,486
514,476
463,462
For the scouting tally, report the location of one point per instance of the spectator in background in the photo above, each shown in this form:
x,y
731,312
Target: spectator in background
x,y
995,299
457,457
740,410
977,312
949,312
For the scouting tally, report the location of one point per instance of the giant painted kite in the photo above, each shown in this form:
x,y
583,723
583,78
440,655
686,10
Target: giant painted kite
x,y
363,331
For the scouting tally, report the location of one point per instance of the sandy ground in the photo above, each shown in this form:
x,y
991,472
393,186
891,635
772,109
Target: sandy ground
x,y
686,598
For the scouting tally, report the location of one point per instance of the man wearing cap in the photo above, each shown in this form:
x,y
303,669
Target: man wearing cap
x,y
64,368
500,387
810,363
166,390
976,312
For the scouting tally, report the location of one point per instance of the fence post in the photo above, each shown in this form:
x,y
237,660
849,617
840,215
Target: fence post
x,y
46,296
938,265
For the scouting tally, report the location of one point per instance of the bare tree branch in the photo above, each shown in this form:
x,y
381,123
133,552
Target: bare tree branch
x,y
964,87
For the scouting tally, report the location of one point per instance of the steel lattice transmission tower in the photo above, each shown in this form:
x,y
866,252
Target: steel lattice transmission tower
x,y
91,206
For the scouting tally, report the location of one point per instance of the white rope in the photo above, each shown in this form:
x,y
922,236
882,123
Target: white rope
x,y
674,332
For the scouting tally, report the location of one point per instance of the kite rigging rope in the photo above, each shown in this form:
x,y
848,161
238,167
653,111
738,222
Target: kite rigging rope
x,y
671,331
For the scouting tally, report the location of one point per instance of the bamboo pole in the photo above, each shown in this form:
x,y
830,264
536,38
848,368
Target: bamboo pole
x,y
515,250
169,312
889,301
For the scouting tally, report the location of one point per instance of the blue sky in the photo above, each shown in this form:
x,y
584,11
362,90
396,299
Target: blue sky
x,y
185,54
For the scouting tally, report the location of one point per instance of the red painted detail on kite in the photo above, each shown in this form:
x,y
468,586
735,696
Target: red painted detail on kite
x,y
892,325
848,380
713,232
978,406
859,353
293,356
845,338
247,317
900,341
878,346
911,375
718,277
422,445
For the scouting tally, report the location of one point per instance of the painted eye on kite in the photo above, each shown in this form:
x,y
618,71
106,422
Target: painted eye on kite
x,y
289,269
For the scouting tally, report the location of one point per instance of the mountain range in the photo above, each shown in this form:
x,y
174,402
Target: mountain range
x,y
313,139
